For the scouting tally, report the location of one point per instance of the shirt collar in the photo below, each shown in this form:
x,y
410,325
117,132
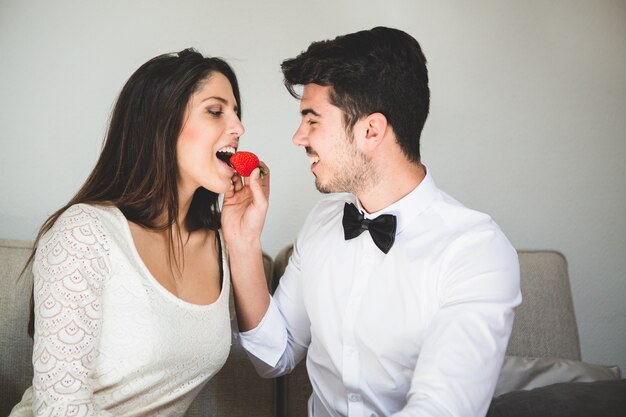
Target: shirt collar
x,y
410,206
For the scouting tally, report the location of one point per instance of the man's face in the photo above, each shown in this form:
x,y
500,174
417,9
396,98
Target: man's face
x,y
336,161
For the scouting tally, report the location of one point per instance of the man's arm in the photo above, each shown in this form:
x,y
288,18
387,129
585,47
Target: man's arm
x,y
281,339
266,325
243,216
252,298
464,347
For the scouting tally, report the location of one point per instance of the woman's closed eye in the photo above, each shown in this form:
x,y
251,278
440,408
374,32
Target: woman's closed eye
x,y
215,112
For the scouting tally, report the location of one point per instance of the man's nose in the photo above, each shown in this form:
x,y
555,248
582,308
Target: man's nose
x,y
299,137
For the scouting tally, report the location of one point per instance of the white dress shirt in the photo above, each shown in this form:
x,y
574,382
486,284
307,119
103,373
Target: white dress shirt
x,y
420,331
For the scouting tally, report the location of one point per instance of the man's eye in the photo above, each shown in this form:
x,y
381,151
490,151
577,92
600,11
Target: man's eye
x,y
311,122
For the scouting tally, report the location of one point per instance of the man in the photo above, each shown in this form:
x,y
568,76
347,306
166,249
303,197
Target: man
x,y
400,298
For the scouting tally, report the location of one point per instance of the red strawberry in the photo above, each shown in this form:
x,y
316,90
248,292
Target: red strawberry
x,y
244,163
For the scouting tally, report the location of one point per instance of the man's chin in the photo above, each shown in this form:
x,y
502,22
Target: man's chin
x,y
322,188
327,188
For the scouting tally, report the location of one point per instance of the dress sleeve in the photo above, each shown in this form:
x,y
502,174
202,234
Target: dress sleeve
x,y
70,269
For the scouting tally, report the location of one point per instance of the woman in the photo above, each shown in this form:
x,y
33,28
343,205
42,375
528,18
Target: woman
x,y
131,284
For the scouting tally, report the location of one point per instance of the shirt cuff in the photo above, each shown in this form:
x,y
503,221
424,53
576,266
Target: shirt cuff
x,y
268,340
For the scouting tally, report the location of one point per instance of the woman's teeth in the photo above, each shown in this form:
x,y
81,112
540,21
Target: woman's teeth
x,y
228,149
225,153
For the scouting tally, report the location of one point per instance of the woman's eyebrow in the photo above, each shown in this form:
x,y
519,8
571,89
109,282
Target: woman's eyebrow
x,y
218,98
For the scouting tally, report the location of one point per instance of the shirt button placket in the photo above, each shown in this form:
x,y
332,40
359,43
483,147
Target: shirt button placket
x,y
352,397
351,357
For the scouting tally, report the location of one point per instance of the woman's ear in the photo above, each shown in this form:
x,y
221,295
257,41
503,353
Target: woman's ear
x,y
376,130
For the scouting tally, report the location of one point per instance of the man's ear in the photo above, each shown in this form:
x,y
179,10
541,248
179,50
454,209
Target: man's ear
x,y
375,130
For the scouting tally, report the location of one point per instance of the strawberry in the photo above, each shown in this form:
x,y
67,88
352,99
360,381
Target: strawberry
x,y
244,162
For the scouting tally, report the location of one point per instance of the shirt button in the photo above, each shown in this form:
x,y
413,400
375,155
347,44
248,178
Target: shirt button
x,y
352,397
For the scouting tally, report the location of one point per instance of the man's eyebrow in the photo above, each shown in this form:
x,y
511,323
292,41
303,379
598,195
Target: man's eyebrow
x,y
306,111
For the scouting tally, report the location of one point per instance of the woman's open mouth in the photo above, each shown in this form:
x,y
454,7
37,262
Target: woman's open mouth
x,y
225,153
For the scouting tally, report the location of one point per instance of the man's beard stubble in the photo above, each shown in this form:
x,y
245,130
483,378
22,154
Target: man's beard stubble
x,y
355,176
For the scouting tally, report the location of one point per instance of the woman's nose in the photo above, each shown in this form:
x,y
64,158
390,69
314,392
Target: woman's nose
x,y
237,128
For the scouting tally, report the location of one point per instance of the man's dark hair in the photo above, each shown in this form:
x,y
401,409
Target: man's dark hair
x,y
379,70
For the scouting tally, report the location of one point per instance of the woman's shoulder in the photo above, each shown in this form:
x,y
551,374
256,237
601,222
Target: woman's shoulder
x,y
102,215
78,239
82,213
88,223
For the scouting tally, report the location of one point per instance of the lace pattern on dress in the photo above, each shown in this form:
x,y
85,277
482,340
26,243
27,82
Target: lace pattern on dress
x,y
70,269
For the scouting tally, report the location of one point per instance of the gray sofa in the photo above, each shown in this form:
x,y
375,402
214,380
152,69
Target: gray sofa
x,y
544,349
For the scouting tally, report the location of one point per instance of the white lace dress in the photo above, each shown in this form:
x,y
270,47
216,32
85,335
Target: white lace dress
x,y
110,340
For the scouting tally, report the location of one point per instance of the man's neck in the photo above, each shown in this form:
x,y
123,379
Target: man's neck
x,y
392,187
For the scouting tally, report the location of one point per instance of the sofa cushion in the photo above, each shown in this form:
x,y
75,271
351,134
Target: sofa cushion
x,y
520,373
16,370
545,323
572,399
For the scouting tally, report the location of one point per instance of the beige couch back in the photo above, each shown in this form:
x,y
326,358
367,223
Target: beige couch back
x,y
16,370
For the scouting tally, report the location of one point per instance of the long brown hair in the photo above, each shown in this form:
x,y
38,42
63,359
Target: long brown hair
x,y
137,169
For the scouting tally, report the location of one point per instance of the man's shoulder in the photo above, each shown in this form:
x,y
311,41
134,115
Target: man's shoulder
x,y
471,232
460,219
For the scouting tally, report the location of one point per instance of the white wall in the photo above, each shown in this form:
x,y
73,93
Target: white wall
x,y
528,117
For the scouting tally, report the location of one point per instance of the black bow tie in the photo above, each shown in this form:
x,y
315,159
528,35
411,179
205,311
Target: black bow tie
x,y
382,228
